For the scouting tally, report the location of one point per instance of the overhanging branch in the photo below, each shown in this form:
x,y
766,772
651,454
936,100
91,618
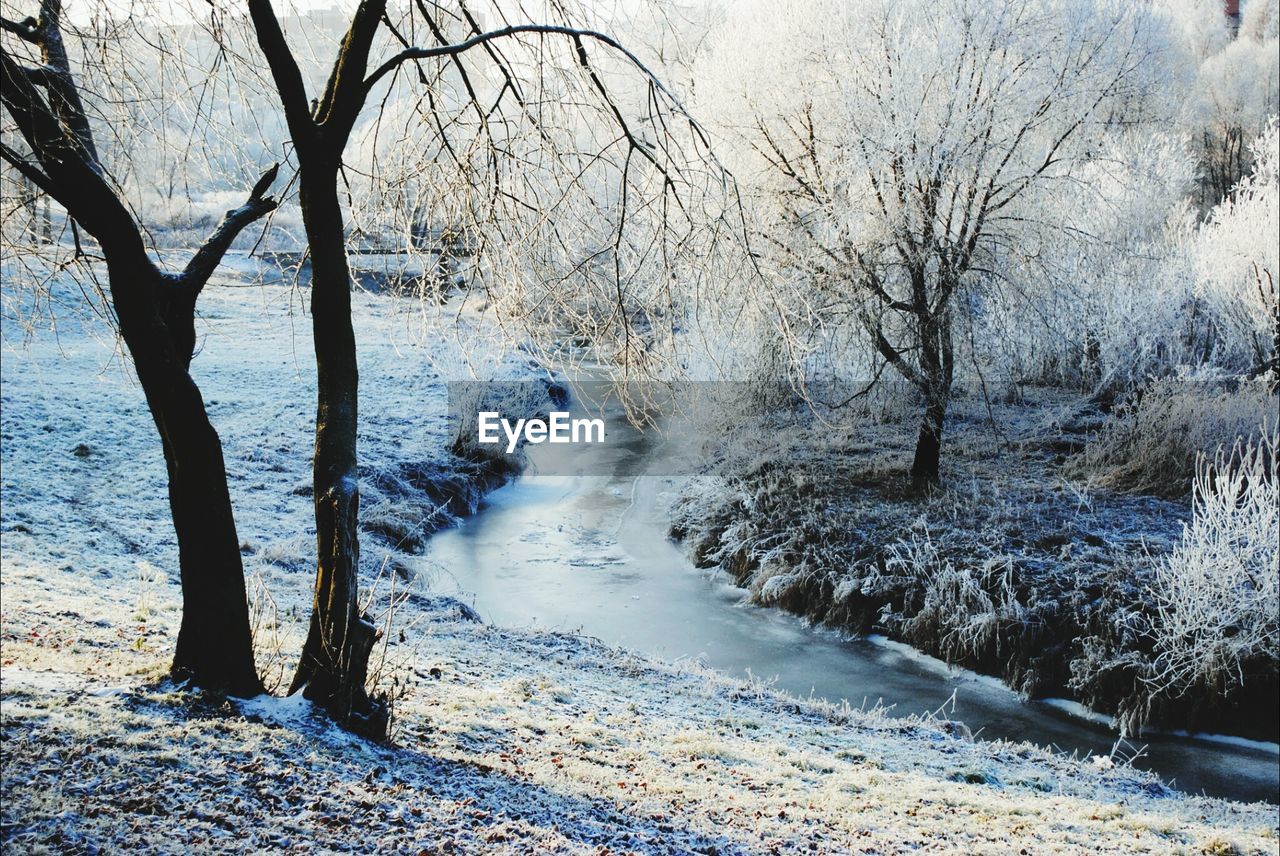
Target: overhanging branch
x,y
512,30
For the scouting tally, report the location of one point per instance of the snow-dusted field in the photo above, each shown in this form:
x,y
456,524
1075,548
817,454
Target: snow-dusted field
x,y
519,743
507,742
84,488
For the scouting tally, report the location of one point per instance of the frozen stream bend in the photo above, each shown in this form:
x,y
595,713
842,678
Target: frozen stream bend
x,y
589,553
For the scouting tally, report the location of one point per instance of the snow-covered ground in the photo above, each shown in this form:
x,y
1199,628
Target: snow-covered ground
x,y
507,742
514,742
84,485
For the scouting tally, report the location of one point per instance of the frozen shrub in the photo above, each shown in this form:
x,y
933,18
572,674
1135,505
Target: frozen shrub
x,y
1198,26
1237,93
1238,261
1152,444
960,610
1261,20
1112,312
1110,668
1217,595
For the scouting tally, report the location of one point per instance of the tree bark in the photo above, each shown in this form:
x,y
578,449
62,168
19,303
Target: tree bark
x,y
215,646
925,465
937,365
335,658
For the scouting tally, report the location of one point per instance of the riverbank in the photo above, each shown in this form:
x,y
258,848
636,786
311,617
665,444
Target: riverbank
x,y
521,742
589,554
1013,570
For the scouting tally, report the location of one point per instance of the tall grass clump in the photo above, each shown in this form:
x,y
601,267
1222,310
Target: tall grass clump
x,y
956,610
1152,443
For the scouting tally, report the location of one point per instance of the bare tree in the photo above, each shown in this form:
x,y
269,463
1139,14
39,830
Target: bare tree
x,y
902,153
504,142
155,313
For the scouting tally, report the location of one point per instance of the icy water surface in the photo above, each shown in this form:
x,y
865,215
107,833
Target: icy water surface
x,y
589,553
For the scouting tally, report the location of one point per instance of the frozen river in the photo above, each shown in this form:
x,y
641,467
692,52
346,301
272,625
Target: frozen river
x,y
590,553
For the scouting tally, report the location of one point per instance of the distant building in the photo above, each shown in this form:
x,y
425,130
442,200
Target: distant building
x,y
1232,9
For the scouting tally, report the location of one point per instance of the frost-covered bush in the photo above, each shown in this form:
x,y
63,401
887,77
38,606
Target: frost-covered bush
x,y
957,610
1261,20
1238,260
1115,287
1226,86
1152,443
1237,92
1157,292
1217,596
1200,26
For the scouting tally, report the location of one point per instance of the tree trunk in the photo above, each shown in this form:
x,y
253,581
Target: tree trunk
x,y
937,364
335,657
156,313
215,647
925,464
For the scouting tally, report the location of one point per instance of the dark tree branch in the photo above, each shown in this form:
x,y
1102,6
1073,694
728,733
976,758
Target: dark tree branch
x,y
482,38
894,356
209,256
27,30
284,70
74,180
37,76
35,119
861,393
64,95
345,93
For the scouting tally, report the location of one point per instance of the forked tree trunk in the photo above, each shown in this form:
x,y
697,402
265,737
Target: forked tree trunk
x,y
156,312
335,658
214,647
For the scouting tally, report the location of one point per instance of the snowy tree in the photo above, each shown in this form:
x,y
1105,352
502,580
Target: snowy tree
x,y
1155,291
902,153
